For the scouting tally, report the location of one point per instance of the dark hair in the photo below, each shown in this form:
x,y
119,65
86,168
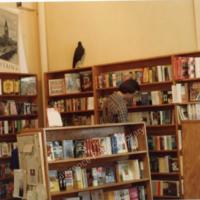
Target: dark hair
x,y
129,86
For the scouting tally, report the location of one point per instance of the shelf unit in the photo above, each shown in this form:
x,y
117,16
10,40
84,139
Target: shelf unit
x,y
77,133
173,129
13,120
69,117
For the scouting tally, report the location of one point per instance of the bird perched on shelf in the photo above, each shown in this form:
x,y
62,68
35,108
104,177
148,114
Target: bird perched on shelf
x,y
78,54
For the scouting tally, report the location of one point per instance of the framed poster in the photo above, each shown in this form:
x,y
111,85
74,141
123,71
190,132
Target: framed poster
x,y
9,59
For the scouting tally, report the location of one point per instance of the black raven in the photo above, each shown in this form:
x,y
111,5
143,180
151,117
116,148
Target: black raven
x,y
78,54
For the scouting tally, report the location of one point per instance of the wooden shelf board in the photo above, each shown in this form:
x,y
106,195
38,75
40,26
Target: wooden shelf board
x,y
160,126
5,158
117,156
166,197
165,173
188,80
8,137
113,185
78,112
6,178
143,86
150,107
17,97
163,151
17,117
71,95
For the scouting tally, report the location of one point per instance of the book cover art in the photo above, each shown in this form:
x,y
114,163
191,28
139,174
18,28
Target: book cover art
x,y
57,150
194,91
68,148
86,80
72,83
56,86
28,86
8,86
79,148
53,181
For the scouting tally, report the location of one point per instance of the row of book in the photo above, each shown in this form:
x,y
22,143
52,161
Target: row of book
x,y
164,164
15,126
5,169
22,86
133,193
77,120
10,107
80,177
186,67
71,83
188,112
163,117
166,142
6,190
92,147
6,148
165,188
74,104
186,92
142,75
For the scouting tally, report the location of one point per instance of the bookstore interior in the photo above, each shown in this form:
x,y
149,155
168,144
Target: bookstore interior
x,y
54,82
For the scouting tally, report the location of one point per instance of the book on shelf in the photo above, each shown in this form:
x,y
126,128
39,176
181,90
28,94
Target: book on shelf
x,y
72,83
186,67
165,188
68,149
28,86
194,91
86,81
56,86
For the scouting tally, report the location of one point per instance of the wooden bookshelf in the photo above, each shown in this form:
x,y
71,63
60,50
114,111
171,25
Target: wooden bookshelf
x,y
77,133
68,116
98,92
15,118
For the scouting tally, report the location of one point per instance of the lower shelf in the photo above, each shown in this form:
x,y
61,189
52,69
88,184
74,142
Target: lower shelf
x,y
114,185
166,197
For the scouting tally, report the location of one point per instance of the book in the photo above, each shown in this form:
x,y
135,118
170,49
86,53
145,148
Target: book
x,y
72,83
28,86
8,86
56,86
69,181
68,149
97,195
86,80
194,91
79,148
122,194
57,150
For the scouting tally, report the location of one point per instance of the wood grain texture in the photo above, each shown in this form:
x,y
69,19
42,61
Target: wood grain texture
x,y
191,159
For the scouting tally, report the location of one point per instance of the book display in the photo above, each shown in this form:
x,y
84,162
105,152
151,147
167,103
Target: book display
x,y
71,93
18,110
97,162
169,94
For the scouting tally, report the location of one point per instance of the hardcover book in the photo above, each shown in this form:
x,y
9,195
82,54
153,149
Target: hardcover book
x,y
28,86
56,86
86,80
72,83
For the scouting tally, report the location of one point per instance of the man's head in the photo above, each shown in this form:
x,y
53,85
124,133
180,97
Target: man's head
x,y
129,87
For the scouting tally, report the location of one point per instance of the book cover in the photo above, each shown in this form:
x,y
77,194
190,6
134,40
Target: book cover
x,y
56,86
86,80
194,91
28,86
57,150
79,148
69,181
97,195
68,148
72,83
124,171
8,86
122,194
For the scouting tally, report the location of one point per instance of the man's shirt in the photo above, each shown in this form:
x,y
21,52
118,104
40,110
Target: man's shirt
x,y
115,109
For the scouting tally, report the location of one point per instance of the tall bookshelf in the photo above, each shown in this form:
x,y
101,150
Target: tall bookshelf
x,y
64,156
178,73
18,99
